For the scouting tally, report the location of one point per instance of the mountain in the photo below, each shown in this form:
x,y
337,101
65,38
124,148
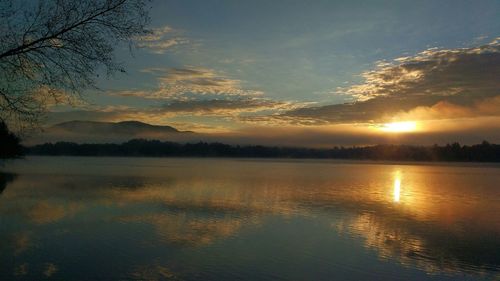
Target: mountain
x,y
135,128
93,131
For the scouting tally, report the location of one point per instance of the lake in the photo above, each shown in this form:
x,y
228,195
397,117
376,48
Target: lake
x,y
77,218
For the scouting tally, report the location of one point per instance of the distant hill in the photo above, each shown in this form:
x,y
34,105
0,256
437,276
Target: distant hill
x,y
124,128
93,131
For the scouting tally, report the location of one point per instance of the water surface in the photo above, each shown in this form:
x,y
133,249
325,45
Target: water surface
x,y
71,218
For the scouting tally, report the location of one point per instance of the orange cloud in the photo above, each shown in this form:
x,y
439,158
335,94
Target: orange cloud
x,y
448,110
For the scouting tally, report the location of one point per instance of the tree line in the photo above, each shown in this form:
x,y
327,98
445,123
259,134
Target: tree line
x,y
484,152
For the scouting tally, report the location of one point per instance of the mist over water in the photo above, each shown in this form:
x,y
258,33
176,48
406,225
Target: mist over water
x,y
71,218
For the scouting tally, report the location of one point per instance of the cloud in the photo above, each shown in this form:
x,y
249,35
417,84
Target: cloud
x,y
195,91
234,109
190,82
226,107
159,47
201,81
157,34
466,79
436,72
160,39
182,95
453,93
448,110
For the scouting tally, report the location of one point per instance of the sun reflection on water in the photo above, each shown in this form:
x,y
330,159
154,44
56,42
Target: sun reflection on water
x,y
397,187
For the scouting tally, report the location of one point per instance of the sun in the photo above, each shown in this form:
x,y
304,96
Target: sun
x,y
400,127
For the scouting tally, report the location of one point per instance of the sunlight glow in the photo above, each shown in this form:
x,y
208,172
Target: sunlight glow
x,y
397,187
397,127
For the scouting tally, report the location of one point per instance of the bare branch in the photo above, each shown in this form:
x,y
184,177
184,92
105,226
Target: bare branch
x,y
60,46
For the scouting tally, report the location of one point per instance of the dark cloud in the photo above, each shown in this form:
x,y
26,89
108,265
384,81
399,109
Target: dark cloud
x,y
461,77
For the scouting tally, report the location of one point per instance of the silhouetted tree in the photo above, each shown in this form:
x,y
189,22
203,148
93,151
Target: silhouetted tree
x,y
50,50
10,146
5,179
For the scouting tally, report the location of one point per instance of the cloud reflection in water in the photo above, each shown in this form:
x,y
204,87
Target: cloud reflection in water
x,y
199,204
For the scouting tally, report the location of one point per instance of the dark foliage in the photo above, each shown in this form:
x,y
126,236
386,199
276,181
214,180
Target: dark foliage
x,y
5,179
484,152
10,146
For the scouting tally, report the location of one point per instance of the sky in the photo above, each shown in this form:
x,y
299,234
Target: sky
x,y
311,73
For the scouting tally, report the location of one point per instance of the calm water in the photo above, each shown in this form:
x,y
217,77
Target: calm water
x,y
72,218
